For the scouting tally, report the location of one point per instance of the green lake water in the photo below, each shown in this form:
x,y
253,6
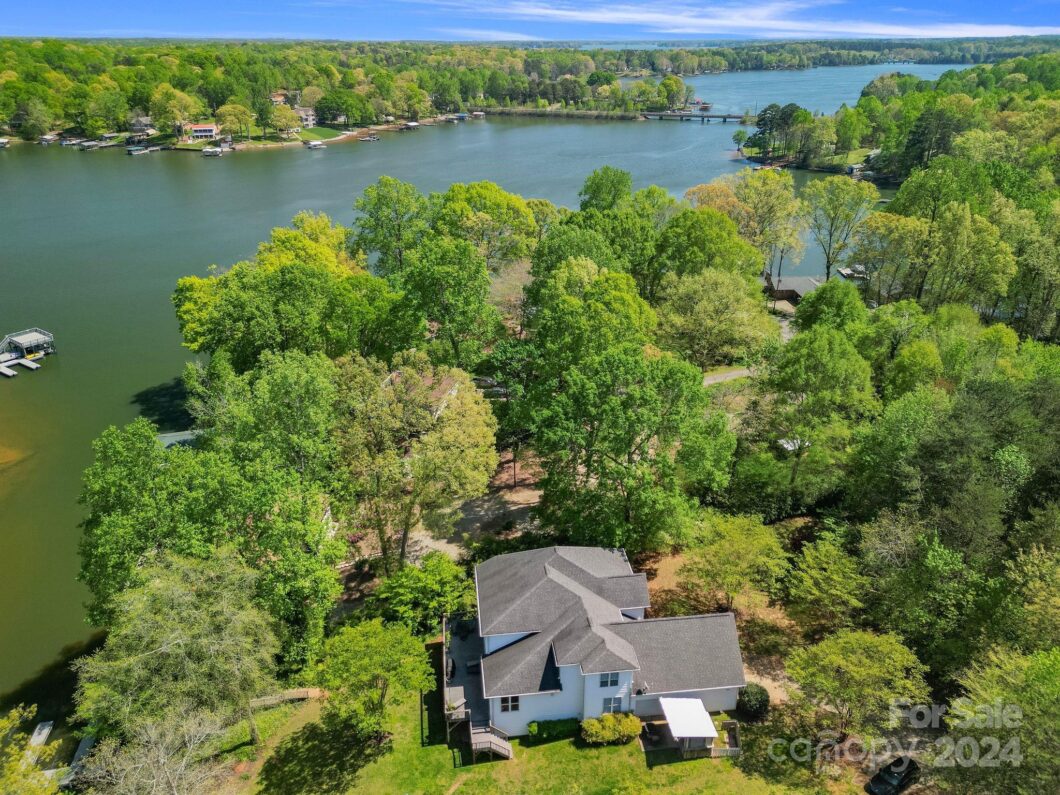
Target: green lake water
x,y
92,243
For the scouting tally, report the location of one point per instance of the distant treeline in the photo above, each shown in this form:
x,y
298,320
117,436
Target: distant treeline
x,y
98,85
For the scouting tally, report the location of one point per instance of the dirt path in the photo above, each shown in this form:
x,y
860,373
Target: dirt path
x,y
720,378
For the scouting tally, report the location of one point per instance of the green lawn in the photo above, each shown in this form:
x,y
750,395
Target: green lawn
x,y
319,134
318,760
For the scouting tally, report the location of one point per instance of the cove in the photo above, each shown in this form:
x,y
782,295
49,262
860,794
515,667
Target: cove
x,y
92,243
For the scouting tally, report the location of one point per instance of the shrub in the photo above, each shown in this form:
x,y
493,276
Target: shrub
x,y
753,702
544,731
611,729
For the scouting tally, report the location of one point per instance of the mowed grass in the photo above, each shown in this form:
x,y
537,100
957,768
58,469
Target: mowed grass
x,y
418,760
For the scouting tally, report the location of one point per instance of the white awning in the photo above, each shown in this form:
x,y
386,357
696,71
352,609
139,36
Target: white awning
x,y
687,717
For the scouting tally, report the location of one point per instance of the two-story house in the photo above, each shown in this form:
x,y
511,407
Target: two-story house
x,y
561,633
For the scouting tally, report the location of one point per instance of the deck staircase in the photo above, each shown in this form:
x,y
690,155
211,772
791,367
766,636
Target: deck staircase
x,y
485,737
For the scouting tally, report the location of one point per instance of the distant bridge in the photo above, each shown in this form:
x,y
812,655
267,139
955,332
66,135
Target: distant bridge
x,y
692,115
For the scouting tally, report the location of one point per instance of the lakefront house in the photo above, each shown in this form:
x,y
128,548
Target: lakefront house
x,y
561,633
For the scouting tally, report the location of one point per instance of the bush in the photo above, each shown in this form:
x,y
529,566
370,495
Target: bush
x,y
753,702
544,731
611,729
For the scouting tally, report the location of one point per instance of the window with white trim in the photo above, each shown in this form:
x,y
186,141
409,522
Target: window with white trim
x,y
609,680
509,703
613,704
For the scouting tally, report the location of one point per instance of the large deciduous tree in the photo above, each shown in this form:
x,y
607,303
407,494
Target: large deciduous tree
x,y
187,638
837,206
369,667
445,281
623,438
605,188
713,318
499,224
857,676
413,440
393,216
738,556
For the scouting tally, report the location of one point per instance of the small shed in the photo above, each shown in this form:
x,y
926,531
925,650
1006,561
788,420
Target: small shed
x,y
690,724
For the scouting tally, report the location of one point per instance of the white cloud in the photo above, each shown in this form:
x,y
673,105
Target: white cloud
x,y
779,19
474,34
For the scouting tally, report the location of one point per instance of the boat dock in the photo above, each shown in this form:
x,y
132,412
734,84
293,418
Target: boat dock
x,y
692,115
5,368
22,348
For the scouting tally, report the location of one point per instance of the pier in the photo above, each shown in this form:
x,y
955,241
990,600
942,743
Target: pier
x,y
692,115
21,348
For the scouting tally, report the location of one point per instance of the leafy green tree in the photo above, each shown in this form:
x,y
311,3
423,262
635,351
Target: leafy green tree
x,y
281,411
446,281
834,304
369,667
694,240
891,250
883,466
562,242
301,292
605,188
1018,695
584,311
172,109
392,218
737,556
857,676
237,118
418,595
144,500
820,373
837,207
714,317
412,441
284,119
825,588
935,602
970,261
20,770
818,381
620,438
918,363
850,127
499,224
188,636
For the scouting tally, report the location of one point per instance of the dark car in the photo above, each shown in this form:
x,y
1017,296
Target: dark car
x,y
897,776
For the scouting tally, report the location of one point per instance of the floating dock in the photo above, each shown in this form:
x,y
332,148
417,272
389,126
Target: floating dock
x,y
22,348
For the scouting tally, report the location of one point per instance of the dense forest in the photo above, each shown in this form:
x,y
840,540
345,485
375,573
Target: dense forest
x,y
876,497
97,86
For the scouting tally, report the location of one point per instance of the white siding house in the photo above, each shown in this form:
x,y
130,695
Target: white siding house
x,y
565,703
561,633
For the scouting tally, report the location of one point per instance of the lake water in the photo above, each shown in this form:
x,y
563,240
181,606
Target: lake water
x,y
92,243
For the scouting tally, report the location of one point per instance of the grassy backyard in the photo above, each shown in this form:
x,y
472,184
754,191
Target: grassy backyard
x,y
314,760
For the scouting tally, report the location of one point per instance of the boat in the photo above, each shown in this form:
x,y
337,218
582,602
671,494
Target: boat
x,y
369,138
314,145
137,150
4,143
70,141
48,139
212,151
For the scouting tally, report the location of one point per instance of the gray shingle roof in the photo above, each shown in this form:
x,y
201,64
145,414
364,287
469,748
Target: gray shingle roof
x,y
570,600
520,591
686,653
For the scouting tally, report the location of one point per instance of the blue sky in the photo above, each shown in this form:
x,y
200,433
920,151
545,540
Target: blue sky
x,y
526,20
